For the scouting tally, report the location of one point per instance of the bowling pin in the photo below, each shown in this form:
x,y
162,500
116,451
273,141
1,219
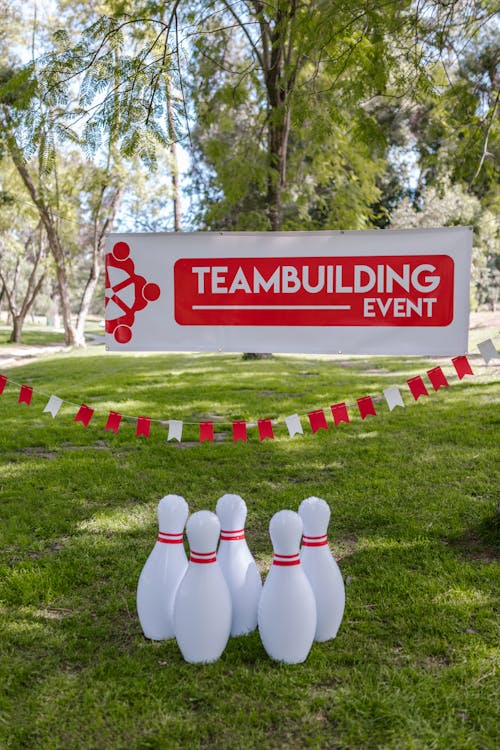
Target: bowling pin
x,y
287,607
320,567
163,571
202,609
237,564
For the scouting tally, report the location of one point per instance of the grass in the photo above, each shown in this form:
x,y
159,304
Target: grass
x,y
32,336
412,494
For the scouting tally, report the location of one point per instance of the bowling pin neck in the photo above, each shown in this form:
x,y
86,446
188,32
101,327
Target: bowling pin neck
x,y
202,558
166,538
314,541
232,535
286,560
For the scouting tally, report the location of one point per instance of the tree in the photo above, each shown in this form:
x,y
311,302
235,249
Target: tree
x,y
30,133
125,64
280,94
23,252
455,140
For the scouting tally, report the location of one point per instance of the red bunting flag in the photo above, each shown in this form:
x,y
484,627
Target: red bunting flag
x,y
143,426
318,420
3,381
462,366
437,378
25,395
206,432
265,429
113,422
84,415
339,413
417,387
239,431
366,407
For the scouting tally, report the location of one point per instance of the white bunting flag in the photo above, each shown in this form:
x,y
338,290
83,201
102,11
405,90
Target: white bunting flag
x,y
393,397
293,424
53,405
175,430
488,351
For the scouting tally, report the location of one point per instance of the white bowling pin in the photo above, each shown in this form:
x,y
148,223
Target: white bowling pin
x,y
237,564
163,570
287,608
202,609
320,567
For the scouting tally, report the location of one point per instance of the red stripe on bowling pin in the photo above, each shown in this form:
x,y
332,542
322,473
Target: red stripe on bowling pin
x,y
166,538
202,557
232,535
286,559
314,541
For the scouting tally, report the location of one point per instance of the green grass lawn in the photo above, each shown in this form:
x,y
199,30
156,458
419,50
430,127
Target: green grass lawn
x,y
412,494
32,336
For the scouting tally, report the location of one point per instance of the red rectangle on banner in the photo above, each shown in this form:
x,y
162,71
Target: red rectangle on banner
x,y
384,290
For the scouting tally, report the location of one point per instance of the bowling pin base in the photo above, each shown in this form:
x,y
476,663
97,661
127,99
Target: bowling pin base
x,y
323,638
156,637
242,633
283,660
202,661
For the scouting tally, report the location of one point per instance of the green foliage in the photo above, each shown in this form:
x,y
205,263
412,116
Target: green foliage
x,y
451,205
412,494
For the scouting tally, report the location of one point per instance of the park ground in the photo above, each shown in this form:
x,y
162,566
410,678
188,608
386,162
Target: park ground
x,y
414,499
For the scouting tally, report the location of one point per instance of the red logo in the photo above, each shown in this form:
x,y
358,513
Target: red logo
x,y
126,293
384,290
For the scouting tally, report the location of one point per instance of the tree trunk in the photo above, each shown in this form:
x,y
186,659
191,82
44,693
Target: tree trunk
x,y
52,238
280,77
16,336
88,294
70,335
174,165
98,244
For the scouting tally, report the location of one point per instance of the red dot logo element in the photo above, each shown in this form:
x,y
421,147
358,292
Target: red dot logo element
x,y
121,251
123,334
127,293
151,292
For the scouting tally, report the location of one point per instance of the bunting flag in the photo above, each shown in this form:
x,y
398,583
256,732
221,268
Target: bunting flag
x,y
294,425
317,420
239,431
143,426
265,429
437,378
84,415
175,430
53,405
366,407
487,349
206,432
339,413
240,428
417,387
462,366
113,422
25,395
393,397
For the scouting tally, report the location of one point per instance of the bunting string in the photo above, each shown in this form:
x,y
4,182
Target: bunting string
x,y
317,418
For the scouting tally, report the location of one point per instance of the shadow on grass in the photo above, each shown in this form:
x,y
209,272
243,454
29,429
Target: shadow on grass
x,y
412,664
418,628
480,541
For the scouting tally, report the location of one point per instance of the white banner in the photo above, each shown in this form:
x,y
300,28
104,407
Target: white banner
x,y
352,292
